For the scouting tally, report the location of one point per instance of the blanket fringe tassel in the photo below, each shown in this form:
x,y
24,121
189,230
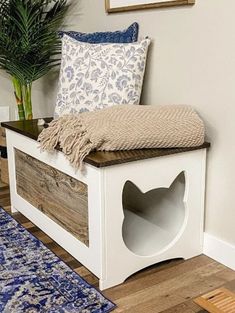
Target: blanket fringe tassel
x,y
70,136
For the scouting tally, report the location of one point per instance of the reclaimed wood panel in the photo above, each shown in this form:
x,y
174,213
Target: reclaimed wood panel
x,y
59,196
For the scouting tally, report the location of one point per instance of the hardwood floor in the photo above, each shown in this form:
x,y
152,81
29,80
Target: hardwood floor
x,y
168,287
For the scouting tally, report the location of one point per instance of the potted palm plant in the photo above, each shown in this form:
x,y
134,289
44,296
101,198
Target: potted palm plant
x,y
29,44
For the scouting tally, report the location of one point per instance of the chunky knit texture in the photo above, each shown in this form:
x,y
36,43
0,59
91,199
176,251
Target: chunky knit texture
x,y
123,127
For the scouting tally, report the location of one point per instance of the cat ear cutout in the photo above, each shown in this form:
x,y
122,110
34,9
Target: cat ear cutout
x,y
153,219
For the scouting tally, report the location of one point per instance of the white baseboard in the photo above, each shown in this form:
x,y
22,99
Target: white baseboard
x,y
219,250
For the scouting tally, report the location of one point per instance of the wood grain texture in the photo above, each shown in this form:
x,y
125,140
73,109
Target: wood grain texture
x,y
162,4
4,194
4,171
220,300
59,196
101,159
106,158
28,128
164,287
2,136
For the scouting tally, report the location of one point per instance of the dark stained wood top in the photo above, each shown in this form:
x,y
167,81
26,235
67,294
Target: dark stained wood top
x,y
27,128
98,158
107,158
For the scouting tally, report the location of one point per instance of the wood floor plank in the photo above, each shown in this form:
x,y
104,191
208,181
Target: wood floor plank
x,y
193,306
156,304
3,185
157,277
228,275
181,308
230,285
168,287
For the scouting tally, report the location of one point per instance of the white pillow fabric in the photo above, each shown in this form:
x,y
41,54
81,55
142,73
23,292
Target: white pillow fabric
x,y
95,76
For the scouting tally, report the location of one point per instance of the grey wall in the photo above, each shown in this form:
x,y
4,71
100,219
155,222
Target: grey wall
x,y
191,61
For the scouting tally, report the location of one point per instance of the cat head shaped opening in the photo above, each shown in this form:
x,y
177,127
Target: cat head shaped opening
x,y
155,213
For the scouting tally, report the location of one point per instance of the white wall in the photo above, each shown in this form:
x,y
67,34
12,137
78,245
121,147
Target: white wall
x,y
192,61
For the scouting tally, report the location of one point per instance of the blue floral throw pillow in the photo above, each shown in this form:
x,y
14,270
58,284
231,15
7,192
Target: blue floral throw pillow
x,y
96,76
128,35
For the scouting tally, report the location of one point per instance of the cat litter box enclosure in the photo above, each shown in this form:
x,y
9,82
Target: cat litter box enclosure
x,y
125,211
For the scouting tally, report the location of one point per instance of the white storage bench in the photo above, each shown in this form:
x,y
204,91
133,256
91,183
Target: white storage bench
x,y
125,211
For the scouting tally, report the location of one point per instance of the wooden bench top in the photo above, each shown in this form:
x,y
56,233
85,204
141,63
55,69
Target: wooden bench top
x,y
100,159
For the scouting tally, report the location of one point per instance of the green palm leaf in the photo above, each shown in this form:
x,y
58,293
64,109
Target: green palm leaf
x,y
29,42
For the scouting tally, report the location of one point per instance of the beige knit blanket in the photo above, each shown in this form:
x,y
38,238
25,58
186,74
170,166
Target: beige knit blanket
x,y
123,127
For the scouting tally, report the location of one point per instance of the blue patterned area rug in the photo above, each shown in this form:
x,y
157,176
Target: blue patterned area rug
x,y
33,279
